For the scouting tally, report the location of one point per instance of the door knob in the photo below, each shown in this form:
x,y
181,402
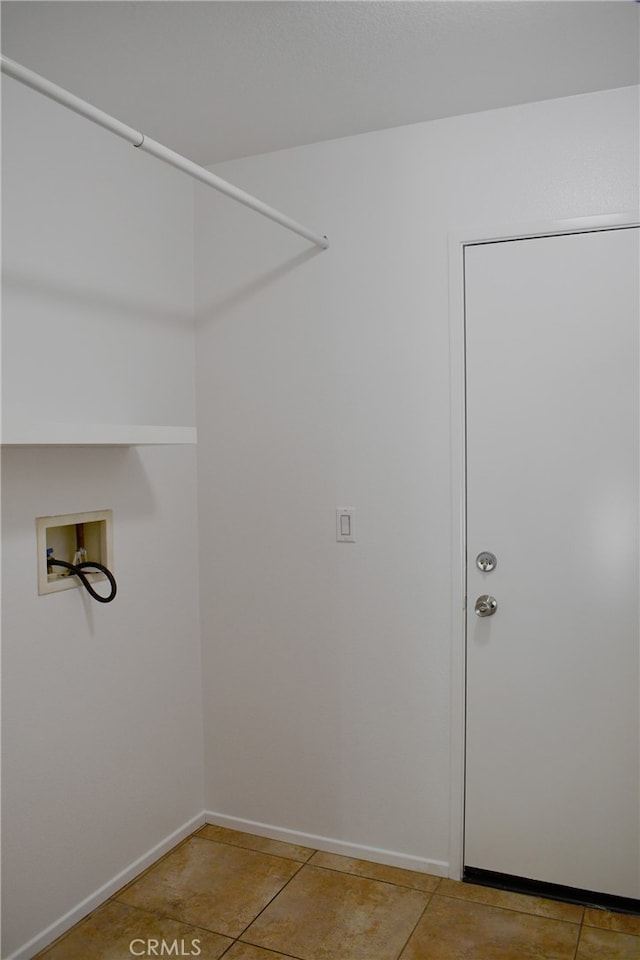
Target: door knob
x,y
486,606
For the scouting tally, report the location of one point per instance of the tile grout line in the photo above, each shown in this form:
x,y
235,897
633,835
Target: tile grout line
x,y
266,853
156,914
575,952
192,836
287,956
575,955
166,916
360,876
307,862
343,873
496,906
162,915
114,897
274,897
415,926
320,866
147,870
394,883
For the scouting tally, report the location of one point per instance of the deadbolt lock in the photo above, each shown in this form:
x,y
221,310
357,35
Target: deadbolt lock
x,y
486,561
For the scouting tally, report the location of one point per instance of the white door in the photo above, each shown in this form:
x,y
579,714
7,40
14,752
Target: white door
x,y
552,735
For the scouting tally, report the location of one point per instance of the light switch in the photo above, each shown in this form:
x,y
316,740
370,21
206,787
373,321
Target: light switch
x,y
345,532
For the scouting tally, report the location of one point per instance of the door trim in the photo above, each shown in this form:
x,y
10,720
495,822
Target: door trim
x,y
458,239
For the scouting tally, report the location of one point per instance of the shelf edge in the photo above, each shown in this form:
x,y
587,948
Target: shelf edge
x,y
94,434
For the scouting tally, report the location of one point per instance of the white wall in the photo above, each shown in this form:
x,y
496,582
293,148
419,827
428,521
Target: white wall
x,y
97,278
324,382
102,718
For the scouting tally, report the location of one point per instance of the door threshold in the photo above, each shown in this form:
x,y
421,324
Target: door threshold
x,y
551,891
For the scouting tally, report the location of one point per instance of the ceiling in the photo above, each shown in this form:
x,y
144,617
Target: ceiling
x,y
218,80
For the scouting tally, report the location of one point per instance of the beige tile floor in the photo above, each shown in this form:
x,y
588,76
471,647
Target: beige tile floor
x,y
227,894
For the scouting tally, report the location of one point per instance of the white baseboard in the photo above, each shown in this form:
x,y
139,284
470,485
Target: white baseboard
x,y
327,844
440,868
107,890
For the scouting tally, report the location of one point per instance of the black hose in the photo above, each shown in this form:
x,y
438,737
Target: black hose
x,y
77,570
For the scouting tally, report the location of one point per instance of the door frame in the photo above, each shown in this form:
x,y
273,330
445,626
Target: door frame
x,y
458,239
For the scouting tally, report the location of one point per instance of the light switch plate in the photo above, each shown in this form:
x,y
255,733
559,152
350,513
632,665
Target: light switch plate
x,y
345,530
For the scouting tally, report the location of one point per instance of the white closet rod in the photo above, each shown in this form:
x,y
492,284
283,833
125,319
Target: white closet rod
x,y
137,139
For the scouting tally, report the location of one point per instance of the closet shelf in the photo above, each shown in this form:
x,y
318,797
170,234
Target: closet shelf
x,y
93,434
